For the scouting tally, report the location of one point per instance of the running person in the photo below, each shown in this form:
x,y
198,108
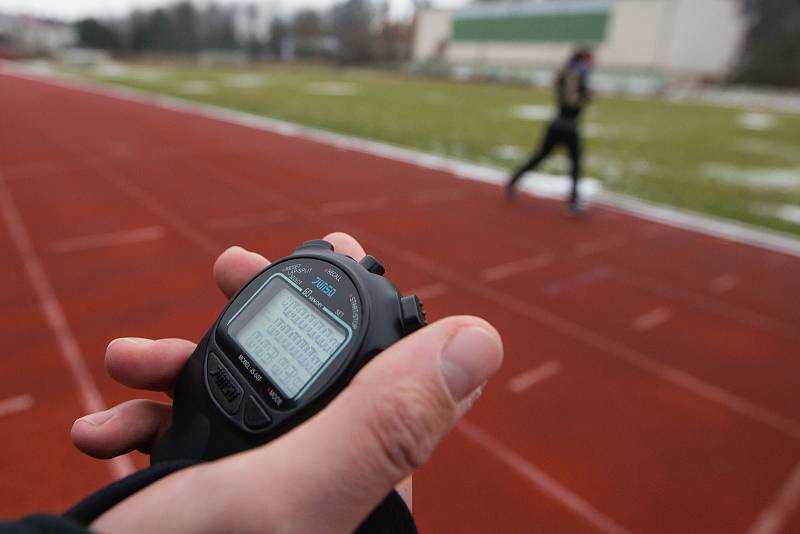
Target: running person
x,y
572,91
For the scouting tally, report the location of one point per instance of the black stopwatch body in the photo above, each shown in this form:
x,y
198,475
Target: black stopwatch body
x,y
285,345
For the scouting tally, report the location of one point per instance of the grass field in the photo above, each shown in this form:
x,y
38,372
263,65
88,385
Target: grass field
x,y
733,163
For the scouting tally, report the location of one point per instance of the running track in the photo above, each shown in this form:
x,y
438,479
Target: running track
x,y
652,376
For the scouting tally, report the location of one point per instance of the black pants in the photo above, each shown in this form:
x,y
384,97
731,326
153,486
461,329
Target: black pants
x,y
557,134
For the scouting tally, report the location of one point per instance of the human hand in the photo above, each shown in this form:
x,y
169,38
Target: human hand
x,y
326,474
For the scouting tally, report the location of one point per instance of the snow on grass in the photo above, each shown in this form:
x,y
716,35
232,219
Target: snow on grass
x,y
511,152
245,81
753,120
763,178
759,147
594,130
332,89
786,212
110,70
532,112
196,87
149,75
554,186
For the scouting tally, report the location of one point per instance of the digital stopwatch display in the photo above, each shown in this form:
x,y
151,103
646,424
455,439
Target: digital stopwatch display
x,y
285,345
291,341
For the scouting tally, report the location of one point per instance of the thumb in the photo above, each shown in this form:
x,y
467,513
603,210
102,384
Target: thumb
x,y
330,472
386,423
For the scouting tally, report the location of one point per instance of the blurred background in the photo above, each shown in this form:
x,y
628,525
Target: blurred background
x,y
651,379
718,77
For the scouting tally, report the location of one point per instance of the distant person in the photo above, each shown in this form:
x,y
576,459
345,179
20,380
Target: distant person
x,y
572,92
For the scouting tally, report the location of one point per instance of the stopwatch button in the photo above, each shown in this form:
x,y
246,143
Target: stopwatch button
x,y
223,386
316,243
413,315
254,417
372,265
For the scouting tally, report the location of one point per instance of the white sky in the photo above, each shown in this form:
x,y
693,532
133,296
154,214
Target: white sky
x,y
74,9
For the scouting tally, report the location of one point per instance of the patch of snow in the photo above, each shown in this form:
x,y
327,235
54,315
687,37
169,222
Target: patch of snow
x,y
512,152
110,70
532,112
332,88
245,81
787,212
753,120
196,87
765,178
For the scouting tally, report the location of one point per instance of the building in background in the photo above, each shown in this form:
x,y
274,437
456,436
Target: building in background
x,y
660,39
22,35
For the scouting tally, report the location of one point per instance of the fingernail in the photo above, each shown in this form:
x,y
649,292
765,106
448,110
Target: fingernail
x,y
97,419
133,340
468,359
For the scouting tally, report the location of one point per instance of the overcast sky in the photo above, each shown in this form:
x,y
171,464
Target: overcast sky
x,y
73,9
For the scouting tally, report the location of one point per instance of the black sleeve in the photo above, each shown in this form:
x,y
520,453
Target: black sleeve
x,y
42,524
392,516
585,92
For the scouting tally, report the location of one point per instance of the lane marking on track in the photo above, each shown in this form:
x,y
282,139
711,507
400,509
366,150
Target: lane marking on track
x,y
773,519
246,219
429,292
88,393
534,376
706,303
640,360
602,244
620,351
596,274
111,239
540,480
506,270
668,215
724,283
150,203
653,318
17,404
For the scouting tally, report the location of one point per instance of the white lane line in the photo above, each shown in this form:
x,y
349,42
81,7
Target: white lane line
x,y
651,319
430,291
89,395
17,404
352,206
516,267
532,377
668,215
601,272
765,240
148,201
773,519
246,219
540,480
600,245
111,239
724,283
620,351
706,303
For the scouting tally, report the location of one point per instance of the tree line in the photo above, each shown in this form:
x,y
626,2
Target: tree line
x,y
353,31
360,31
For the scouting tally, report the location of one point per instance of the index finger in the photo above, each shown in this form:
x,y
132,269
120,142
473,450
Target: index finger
x,y
236,265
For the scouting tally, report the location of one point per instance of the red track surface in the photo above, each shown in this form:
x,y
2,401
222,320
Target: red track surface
x,y
689,424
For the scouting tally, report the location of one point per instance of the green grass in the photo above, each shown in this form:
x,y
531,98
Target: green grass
x,y
649,148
